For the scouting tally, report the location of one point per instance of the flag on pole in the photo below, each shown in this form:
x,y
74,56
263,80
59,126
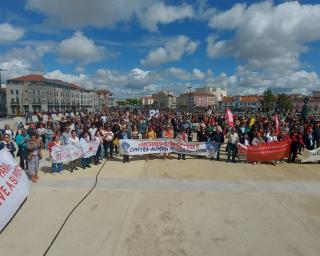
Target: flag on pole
x,y
276,121
229,117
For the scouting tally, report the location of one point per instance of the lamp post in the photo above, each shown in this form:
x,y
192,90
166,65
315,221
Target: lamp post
x,y
0,75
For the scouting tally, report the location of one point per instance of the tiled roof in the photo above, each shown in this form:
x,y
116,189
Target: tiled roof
x,y
29,78
249,98
228,99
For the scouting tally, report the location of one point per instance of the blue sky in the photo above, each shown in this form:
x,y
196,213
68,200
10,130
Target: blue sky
x,y
138,47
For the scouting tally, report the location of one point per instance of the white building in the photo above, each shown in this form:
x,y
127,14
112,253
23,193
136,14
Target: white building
x,y
35,93
218,92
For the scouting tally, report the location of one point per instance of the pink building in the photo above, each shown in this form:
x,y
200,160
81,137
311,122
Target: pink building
x,y
192,100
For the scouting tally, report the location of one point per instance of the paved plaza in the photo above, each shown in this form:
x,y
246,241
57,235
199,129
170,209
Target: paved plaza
x,y
171,207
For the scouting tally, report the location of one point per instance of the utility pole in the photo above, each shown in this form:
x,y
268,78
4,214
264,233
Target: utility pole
x,y
1,70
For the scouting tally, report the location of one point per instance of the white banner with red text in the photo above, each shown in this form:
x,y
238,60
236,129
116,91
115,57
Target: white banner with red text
x,y
71,152
311,155
158,146
14,187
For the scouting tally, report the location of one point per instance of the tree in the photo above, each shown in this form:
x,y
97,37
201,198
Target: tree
x,y
268,101
132,102
284,102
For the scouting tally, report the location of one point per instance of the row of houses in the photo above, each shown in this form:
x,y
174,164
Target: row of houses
x,y
217,99
205,97
35,93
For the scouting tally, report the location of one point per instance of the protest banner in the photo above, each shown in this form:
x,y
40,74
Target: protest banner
x,y
157,146
265,152
14,187
311,155
65,153
70,152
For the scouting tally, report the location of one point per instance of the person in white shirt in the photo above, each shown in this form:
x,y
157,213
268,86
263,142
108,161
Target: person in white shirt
x,y
108,142
74,140
233,139
92,130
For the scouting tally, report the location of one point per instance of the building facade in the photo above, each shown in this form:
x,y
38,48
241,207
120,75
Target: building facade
x,y
146,101
3,102
252,103
35,93
191,100
313,102
164,100
219,93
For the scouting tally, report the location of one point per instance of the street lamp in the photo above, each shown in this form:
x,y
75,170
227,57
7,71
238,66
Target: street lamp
x,y
0,75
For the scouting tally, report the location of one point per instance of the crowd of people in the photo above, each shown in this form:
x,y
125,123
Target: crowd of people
x,y
109,127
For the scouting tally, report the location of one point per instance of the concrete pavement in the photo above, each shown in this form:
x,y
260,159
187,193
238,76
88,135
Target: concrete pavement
x,y
170,207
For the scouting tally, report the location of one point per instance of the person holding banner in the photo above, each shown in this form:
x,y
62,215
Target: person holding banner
x,y
218,138
233,139
125,134
84,141
74,140
151,135
7,143
56,167
34,155
98,138
168,133
182,136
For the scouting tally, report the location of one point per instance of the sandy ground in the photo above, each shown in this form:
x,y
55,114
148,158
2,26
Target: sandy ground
x,y
175,208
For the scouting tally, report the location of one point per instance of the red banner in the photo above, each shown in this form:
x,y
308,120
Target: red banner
x,y
266,152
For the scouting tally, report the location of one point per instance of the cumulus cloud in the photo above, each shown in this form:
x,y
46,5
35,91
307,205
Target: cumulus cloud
x,y
266,35
183,74
160,13
9,33
80,48
109,13
173,50
25,60
133,83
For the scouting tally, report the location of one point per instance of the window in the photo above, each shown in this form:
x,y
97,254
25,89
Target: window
x,y
17,92
13,110
34,92
39,100
12,92
38,92
12,100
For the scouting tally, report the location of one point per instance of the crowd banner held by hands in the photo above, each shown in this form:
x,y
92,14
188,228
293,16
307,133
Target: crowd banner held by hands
x,y
311,155
265,152
14,187
157,146
70,152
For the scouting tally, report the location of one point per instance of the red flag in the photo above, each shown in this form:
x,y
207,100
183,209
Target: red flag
x,y
228,117
276,120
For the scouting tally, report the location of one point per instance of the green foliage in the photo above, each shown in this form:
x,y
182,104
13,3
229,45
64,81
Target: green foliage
x,y
284,102
132,102
269,101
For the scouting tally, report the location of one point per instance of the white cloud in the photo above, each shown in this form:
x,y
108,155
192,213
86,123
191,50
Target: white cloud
x,y
9,33
80,48
183,74
173,50
198,74
160,13
267,36
109,13
23,61
179,73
